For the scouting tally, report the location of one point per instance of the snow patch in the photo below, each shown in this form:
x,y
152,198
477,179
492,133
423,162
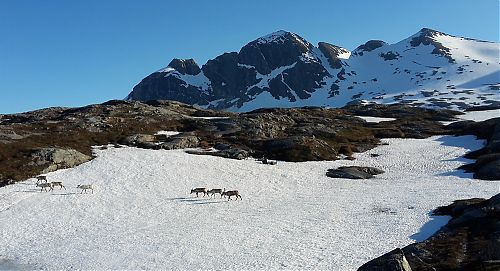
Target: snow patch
x,y
166,70
167,133
375,119
199,80
266,78
291,217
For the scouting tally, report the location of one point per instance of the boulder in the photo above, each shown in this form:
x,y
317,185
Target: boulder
x,y
391,261
222,146
53,158
490,171
354,172
181,142
134,140
233,153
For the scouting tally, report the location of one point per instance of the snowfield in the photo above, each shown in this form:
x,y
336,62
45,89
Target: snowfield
x,y
292,216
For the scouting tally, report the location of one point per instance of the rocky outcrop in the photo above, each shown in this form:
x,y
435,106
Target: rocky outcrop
x,y
368,47
487,165
299,148
392,261
52,159
470,241
231,153
354,172
180,142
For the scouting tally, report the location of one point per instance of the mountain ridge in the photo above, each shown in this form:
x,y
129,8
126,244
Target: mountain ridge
x,y
282,69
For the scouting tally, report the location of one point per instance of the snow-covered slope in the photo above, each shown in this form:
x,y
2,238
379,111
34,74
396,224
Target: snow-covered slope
x,y
282,69
291,217
429,67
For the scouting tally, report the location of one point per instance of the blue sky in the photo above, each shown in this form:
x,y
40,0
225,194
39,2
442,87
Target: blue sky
x,y
74,53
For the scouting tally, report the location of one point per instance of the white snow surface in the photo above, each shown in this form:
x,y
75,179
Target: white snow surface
x,y
480,115
292,216
167,133
266,78
375,119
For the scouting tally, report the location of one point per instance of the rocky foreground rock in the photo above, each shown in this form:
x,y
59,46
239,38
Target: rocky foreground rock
x,y
470,241
354,172
487,164
52,159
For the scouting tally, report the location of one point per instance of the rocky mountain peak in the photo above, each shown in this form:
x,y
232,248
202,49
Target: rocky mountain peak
x,y
368,47
282,36
430,32
275,50
428,36
184,66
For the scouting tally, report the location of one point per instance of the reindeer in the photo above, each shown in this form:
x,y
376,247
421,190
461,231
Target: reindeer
x,y
44,186
229,194
85,187
41,178
199,190
60,184
215,191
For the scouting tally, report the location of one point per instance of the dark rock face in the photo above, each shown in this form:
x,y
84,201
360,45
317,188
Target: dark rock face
x,y
159,86
354,172
332,53
235,78
185,66
470,241
276,50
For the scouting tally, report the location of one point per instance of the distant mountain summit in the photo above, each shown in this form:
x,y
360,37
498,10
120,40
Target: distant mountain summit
x,y
283,69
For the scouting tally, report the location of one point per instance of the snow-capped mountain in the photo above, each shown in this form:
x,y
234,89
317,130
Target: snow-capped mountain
x,y
282,69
